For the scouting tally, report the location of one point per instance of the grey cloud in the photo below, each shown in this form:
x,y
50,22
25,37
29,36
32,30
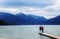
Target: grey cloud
x,y
18,3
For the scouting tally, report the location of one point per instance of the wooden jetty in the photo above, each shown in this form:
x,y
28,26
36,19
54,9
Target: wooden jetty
x,y
49,35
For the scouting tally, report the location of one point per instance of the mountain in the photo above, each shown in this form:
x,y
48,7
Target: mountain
x,y
30,19
4,23
53,21
21,19
27,19
6,17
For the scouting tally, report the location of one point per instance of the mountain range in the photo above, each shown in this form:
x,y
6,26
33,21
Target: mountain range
x,y
26,19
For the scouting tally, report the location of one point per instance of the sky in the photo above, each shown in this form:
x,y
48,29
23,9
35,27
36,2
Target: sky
x,y
46,8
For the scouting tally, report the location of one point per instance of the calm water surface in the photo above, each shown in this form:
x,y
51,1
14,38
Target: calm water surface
x,y
27,31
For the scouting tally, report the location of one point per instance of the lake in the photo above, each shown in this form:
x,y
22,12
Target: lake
x,y
27,31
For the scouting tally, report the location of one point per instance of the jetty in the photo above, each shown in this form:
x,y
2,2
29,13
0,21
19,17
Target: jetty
x,y
49,35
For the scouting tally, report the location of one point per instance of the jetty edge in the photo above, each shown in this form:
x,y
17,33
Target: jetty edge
x,y
49,35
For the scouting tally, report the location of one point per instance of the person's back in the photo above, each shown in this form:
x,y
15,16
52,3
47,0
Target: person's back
x,y
42,29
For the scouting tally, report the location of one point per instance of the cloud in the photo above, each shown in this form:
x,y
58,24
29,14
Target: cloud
x,y
40,12
54,7
9,10
18,3
46,8
29,10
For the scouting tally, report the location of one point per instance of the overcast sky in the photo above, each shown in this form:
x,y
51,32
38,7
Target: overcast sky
x,y
46,8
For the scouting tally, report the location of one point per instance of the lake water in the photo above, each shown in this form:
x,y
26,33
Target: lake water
x,y
27,31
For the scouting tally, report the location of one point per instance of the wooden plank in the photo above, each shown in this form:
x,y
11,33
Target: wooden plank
x,y
50,36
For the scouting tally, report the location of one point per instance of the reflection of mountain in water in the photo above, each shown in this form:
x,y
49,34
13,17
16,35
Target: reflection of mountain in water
x,y
23,19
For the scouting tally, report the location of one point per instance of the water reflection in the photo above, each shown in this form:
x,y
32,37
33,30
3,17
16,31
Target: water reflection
x,y
27,32
42,37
